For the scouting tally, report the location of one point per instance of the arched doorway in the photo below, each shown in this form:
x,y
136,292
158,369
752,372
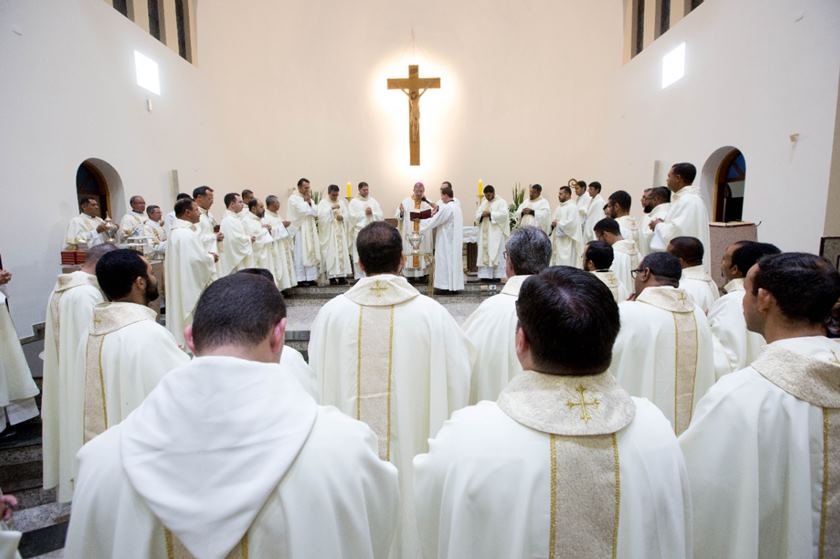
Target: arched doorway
x,y
730,179
99,179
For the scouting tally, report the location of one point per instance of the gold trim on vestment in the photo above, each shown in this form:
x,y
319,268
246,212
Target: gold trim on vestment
x,y
95,418
176,550
685,366
829,542
374,362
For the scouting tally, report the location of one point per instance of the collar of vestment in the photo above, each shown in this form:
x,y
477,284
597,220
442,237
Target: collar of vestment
x,y
110,317
608,277
208,447
568,202
91,218
626,246
381,290
671,299
696,273
138,215
568,405
229,213
514,284
690,189
804,376
183,224
735,284
75,279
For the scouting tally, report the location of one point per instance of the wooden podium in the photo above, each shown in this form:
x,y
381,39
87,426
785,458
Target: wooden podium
x,y
721,235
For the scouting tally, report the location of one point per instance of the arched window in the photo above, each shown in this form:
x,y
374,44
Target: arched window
x,y
729,192
97,178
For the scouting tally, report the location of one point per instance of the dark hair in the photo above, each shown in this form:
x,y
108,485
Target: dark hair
x,y
537,187
239,309
566,189
301,181
182,205
608,225
570,319
182,196
332,188
622,199
447,183
271,199
580,183
686,171
528,250
201,191
600,253
230,198
252,203
262,272
247,192
363,183
133,198
117,270
151,208
805,286
489,188
663,266
662,193
747,253
447,190
689,249
85,200
380,248
596,185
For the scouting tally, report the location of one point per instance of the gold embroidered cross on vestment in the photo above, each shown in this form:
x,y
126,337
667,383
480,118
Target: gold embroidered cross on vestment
x,y
585,416
378,288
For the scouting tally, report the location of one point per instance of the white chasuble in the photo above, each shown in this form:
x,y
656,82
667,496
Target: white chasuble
x,y
699,284
561,466
334,238
126,354
664,352
629,229
687,217
625,260
763,456
735,346
131,223
540,218
608,277
493,232
237,250
302,228
17,387
82,231
448,224
359,218
415,265
69,313
566,245
188,269
594,214
262,256
646,233
282,250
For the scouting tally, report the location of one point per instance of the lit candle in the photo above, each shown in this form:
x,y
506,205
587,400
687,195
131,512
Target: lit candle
x,y
349,190
480,188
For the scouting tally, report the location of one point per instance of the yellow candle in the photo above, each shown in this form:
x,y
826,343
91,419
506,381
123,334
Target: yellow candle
x,y
480,188
349,190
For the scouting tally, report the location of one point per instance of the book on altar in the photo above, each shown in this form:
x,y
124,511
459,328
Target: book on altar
x,y
425,214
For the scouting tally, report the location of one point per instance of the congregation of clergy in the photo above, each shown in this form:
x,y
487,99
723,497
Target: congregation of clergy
x,y
609,401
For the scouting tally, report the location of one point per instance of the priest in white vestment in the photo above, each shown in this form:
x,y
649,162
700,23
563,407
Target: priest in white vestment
x,y
334,237
132,222
735,346
618,204
493,231
416,266
597,259
566,238
188,269
594,212
664,349
695,280
582,199
17,388
282,247
301,211
229,457
492,326
688,215
126,352
238,250
535,211
625,252
364,209
261,233
86,229
566,463
763,448
69,313
393,358
155,235
656,205
170,218
448,223
209,231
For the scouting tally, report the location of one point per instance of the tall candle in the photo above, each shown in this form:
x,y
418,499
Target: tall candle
x,y
480,188
349,190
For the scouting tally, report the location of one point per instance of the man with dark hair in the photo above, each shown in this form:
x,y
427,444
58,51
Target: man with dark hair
x,y
364,209
625,252
566,238
231,427
657,205
695,280
255,228
492,326
393,358
735,346
449,222
534,211
762,448
126,352
132,222
238,250
170,218
582,203
664,350
416,265
493,222
86,229
208,229
688,216
282,246
511,478
188,269
594,211
155,235
334,237
69,313
619,204
598,259
302,212
247,196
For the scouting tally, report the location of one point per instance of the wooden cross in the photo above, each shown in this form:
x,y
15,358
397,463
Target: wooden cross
x,y
414,87
585,416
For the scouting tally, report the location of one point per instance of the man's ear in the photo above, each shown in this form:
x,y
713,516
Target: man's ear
x,y
277,337
188,339
764,300
523,349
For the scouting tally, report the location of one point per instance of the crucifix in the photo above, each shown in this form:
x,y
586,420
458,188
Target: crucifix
x,y
414,87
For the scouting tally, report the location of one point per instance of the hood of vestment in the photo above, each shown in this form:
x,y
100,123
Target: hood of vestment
x,y
75,279
514,284
110,317
806,377
696,273
671,299
382,290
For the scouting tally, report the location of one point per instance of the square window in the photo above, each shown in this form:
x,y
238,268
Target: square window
x,y
147,73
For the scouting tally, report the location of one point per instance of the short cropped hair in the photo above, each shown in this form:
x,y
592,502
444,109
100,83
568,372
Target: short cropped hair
x,y
747,253
661,193
301,181
363,183
686,171
271,199
183,196
805,286
247,192
622,199
380,248
150,209
689,249
230,198
239,310
596,185
182,205
117,270
608,225
566,189
85,200
332,188
528,250
581,183
252,203
258,272
133,198
489,188
663,266
570,319
448,191
537,187
600,253
201,191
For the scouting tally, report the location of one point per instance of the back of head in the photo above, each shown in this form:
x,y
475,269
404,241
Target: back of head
x,y
238,310
528,250
230,198
689,249
608,225
570,319
622,199
665,267
183,196
117,270
805,286
686,171
662,194
201,191
253,203
447,190
747,253
182,205
380,248
600,253
262,272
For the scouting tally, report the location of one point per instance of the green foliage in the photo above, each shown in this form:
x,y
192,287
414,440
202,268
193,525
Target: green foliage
x,y
518,198
316,196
